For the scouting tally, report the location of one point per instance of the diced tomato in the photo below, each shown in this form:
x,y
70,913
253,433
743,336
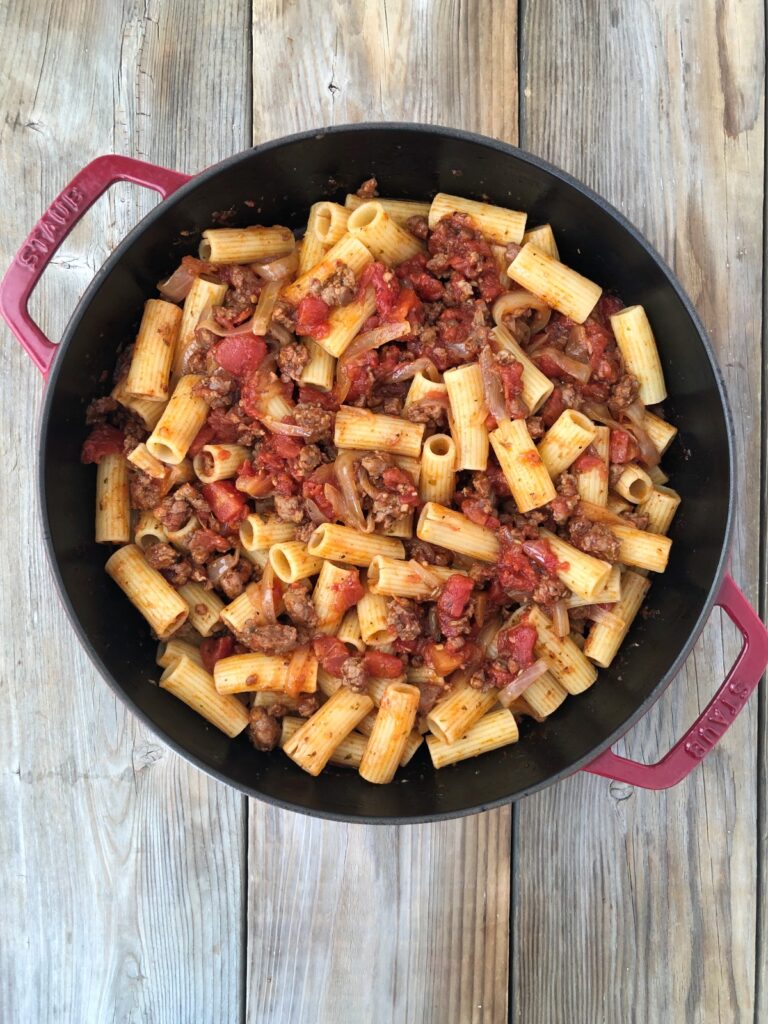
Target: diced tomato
x,y
497,479
255,482
445,661
214,649
385,286
624,448
347,592
454,595
541,553
331,653
384,666
396,479
204,436
315,491
516,572
408,306
588,460
474,509
102,440
518,643
227,503
240,354
360,373
312,317
413,271
314,396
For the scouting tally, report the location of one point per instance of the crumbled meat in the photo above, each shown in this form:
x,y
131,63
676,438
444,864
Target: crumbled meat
x,y
418,226
161,556
277,639
196,355
304,531
430,694
264,731
146,491
308,459
232,582
337,290
403,617
307,705
316,420
177,508
243,294
548,590
636,519
283,314
217,389
389,489
369,189
426,410
564,505
353,674
426,553
623,394
511,251
289,508
297,599
594,538
203,543
179,574
291,360
393,405
99,409
481,572
375,465
536,427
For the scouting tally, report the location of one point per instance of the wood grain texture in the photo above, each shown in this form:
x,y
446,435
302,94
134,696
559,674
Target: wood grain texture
x,y
120,866
658,107
435,949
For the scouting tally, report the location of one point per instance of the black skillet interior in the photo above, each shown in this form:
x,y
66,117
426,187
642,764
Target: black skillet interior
x,y
276,184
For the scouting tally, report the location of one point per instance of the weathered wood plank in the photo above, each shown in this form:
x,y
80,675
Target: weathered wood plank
x,y
120,865
437,948
635,906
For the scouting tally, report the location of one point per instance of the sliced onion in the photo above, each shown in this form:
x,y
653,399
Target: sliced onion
x,y
279,269
560,621
334,496
219,566
407,371
177,286
573,367
280,333
281,427
538,551
375,337
521,682
268,595
492,389
314,513
605,617
226,332
649,453
516,303
344,469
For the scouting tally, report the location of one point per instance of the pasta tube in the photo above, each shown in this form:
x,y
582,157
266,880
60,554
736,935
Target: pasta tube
x,y
561,287
141,459
661,433
564,660
469,411
391,731
113,503
349,752
543,238
344,323
497,223
194,686
592,481
640,549
372,225
448,529
537,387
328,597
169,652
219,461
148,411
372,615
498,729
368,431
150,369
182,418
522,466
330,222
257,534
343,544
565,440
605,639
205,607
202,296
438,469
634,484
638,346
456,712
291,673
400,210
149,531
320,369
660,507
396,578
246,245
584,574
147,590
312,745
348,250
291,561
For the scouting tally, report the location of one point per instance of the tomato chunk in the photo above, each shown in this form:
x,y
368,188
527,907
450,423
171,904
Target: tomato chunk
x,y
331,653
102,440
214,648
312,317
227,503
240,354
384,666
518,643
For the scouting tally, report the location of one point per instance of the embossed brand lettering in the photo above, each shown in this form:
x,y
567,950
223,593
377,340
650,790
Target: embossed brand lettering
x,y
717,720
739,690
50,228
695,749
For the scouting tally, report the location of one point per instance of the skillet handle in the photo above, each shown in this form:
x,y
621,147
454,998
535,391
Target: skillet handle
x,y
43,241
716,718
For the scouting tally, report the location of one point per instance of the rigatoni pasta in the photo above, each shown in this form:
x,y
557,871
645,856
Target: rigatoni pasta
x,y
398,480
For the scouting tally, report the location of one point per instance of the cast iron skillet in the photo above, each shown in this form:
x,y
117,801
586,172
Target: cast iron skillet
x,y
276,183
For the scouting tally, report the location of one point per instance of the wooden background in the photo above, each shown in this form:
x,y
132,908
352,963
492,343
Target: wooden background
x,y
133,888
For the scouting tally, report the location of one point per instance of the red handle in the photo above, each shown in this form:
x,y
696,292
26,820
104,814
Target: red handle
x,y
716,718
43,241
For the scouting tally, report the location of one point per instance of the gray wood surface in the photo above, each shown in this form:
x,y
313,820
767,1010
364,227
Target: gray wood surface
x,y
135,889
121,865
